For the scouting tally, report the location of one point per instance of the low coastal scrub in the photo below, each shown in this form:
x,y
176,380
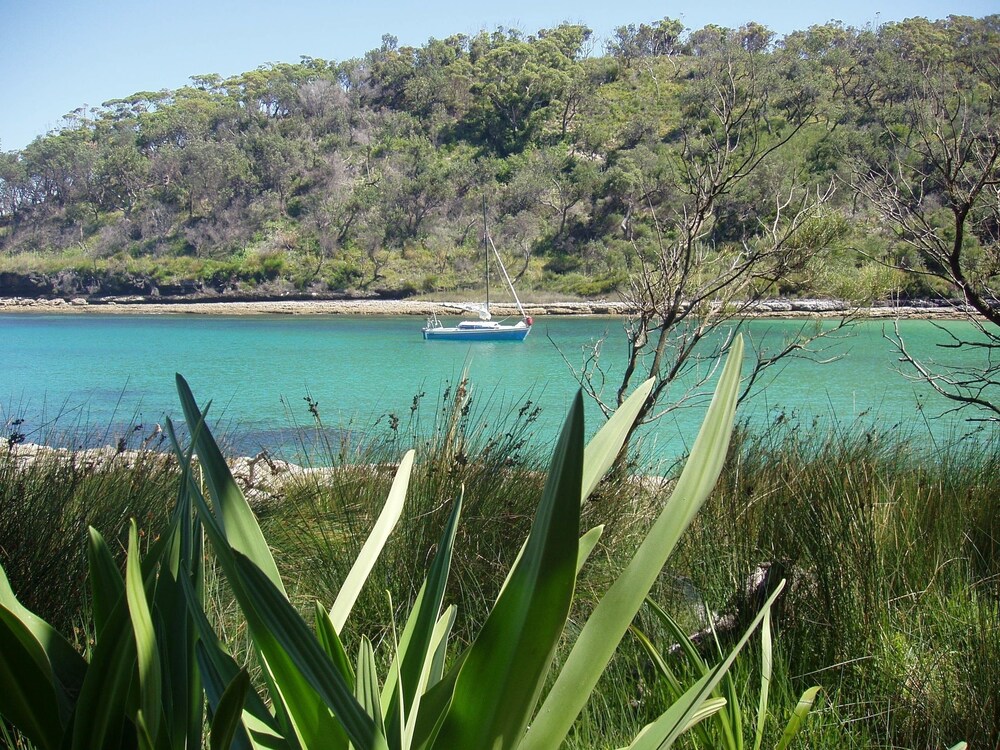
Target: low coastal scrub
x,y
889,554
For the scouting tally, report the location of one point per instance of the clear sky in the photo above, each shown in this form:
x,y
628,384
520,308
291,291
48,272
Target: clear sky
x,y
59,55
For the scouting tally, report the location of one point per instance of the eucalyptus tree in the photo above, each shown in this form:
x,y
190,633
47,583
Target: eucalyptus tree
x,y
59,167
930,170
516,79
660,38
122,172
15,192
689,290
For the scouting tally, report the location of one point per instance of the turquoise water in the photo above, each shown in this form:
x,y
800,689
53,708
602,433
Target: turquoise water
x,y
97,376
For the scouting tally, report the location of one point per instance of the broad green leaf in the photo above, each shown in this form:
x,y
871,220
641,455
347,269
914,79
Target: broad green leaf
x,y
587,544
434,706
441,653
218,669
960,746
397,712
505,667
372,548
803,707
182,560
366,688
680,637
257,728
329,639
765,678
27,688
432,663
659,663
106,701
300,669
228,714
103,704
603,448
235,516
708,709
663,668
728,718
611,617
183,694
142,733
215,689
66,666
148,658
107,586
226,558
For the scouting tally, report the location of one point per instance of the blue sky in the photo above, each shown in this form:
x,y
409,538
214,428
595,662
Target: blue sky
x,y
58,55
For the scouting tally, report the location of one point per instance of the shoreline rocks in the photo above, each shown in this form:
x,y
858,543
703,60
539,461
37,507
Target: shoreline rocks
x,y
776,308
262,477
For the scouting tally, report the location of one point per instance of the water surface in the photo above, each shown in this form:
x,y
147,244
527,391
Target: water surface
x,y
101,375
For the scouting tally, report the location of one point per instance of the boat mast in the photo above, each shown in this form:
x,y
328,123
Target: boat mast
x,y
510,284
486,254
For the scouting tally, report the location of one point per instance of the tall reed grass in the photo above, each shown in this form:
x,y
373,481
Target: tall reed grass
x,y
46,506
891,549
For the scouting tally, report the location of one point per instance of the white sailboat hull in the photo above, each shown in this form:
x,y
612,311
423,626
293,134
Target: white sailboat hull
x,y
476,331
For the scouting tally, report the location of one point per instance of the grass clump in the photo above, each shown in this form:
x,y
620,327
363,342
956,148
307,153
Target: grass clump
x,y
48,499
891,554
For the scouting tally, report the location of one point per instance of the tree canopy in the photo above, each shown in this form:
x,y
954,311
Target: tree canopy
x,y
367,175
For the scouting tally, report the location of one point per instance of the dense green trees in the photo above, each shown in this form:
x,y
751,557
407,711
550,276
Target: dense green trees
x,y
929,165
367,174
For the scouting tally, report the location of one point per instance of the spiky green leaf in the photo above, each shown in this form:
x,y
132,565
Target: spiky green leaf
x,y
299,667
372,548
603,448
226,719
28,697
677,719
234,514
505,668
802,709
148,658
610,619
415,644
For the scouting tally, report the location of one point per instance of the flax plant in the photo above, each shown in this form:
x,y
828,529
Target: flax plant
x,y
141,687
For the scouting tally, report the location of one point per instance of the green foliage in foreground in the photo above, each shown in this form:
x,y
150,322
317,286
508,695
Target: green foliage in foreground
x,y
890,548
729,718
156,654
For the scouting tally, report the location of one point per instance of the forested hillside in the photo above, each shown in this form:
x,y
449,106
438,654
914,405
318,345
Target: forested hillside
x,y
368,176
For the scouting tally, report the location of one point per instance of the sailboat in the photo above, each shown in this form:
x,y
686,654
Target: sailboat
x,y
485,328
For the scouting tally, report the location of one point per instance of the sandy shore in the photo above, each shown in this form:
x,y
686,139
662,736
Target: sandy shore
x,y
773,308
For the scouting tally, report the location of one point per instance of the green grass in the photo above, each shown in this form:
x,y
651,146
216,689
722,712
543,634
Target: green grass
x,y
46,506
892,552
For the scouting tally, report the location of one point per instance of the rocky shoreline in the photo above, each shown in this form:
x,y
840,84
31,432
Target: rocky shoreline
x,y
262,477
778,308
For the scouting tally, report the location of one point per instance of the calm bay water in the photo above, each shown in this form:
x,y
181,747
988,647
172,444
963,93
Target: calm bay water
x,y
97,375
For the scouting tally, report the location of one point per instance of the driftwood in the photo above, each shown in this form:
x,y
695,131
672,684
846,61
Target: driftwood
x,y
743,606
